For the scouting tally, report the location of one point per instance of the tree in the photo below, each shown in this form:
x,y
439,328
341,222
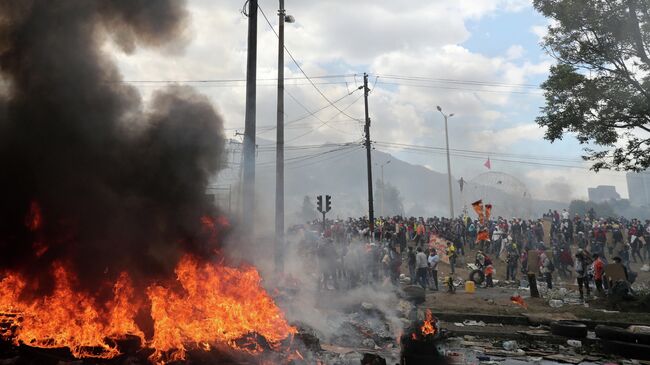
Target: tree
x,y
599,90
581,207
393,202
308,210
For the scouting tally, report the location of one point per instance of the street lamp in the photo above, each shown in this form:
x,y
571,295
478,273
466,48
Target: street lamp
x,y
451,199
383,187
279,154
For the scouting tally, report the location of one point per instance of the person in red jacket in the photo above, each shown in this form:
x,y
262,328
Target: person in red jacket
x,y
599,270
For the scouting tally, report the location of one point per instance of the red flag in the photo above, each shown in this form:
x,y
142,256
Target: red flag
x,y
488,164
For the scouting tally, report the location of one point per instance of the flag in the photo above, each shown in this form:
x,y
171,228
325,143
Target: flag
x,y
462,184
478,208
488,164
483,235
488,211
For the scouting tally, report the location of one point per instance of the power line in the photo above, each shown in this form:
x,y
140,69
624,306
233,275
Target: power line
x,y
458,81
483,153
303,71
211,81
327,121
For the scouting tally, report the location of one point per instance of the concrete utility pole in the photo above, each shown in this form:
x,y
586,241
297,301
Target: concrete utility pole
x,y
451,199
371,212
279,152
248,198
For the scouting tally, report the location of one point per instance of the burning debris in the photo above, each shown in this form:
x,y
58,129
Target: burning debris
x,y
419,342
106,235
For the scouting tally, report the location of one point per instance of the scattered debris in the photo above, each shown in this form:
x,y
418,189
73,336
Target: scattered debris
x,y
574,343
510,345
473,323
517,299
555,303
565,358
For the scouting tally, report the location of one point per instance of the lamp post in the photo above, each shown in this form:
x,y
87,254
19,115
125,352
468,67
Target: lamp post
x,y
383,187
279,153
451,199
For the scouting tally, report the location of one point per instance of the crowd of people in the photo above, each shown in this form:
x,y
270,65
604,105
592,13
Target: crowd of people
x,y
575,246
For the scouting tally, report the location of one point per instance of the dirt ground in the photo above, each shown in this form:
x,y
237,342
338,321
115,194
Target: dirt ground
x,y
496,301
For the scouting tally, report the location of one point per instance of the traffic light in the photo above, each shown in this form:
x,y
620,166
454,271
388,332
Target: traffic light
x,y
319,203
328,203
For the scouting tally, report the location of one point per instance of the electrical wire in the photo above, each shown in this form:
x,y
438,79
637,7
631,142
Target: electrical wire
x,y
303,71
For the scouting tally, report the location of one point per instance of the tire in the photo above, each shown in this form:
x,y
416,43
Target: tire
x,y
477,276
627,349
614,334
569,329
622,335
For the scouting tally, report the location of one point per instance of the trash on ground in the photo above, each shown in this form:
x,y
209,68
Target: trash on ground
x,y
574,343
510,345
474,323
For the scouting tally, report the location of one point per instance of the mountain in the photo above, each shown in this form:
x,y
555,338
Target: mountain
x,y
340,171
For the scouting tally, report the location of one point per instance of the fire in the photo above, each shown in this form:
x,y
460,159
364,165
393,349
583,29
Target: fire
x,y
428,328
517,299
206,304
216,304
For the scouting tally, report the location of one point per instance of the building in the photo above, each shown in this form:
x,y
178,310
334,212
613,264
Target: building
x,y
638,187
603,193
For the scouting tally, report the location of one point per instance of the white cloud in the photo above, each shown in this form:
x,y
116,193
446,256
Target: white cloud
x,y
420,38
514,52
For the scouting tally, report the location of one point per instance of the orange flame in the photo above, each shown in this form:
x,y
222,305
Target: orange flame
x,y
215,304
517,299
428,328
218,304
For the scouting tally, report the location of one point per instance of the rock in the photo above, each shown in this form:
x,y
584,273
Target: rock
x,y
555,303
369,343
574,343
371,359
367,306
510,345
413,293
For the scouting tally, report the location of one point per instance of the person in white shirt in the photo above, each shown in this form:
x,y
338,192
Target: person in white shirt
x,y
433,269
421,266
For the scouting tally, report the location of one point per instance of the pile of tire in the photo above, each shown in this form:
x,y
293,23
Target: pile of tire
x,y
625,343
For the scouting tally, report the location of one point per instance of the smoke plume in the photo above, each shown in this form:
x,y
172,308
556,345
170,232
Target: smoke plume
x,y
113,184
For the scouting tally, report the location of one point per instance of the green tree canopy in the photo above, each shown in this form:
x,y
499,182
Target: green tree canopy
x,y
599,90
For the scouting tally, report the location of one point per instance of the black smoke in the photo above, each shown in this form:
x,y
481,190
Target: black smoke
x,y
121,185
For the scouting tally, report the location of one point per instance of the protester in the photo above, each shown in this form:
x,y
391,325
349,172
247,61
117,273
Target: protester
x,y
599,270
581,265
433,260
421,266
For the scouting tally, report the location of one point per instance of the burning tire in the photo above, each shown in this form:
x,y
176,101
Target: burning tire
x,y
627,349
569,329
477,276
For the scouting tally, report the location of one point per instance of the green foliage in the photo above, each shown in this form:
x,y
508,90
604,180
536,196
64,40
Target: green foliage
x,y
599,90
393,201
308,210
582,208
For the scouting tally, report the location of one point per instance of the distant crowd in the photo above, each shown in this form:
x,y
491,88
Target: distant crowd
x,y
569,246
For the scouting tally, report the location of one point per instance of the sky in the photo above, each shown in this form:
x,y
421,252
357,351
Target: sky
x,y
478,59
